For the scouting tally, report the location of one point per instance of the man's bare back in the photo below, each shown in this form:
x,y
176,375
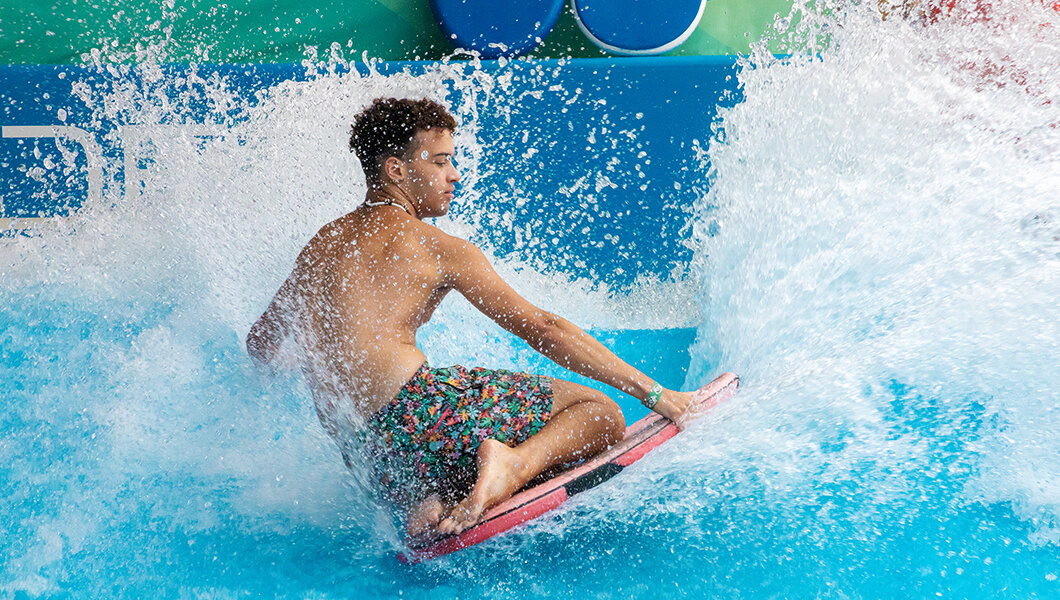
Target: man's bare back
x,y
367,281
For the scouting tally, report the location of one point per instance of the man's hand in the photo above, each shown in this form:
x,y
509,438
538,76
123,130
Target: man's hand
x,y
264,341
268,332
674,405
261,347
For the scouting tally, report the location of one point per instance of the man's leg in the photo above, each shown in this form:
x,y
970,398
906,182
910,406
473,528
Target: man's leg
x,y
584,422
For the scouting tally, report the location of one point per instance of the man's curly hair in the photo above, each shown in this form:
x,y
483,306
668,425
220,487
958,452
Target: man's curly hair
x,y
388,126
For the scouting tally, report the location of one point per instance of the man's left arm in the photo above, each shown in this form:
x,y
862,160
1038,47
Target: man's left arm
x,y
470,273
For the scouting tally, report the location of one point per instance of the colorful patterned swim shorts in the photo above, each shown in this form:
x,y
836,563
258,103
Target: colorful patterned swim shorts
x,y
430,432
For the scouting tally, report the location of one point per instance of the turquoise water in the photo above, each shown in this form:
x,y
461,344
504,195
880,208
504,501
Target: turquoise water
x,y
874,249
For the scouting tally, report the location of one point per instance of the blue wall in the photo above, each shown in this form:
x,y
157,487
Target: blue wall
x,y
577,127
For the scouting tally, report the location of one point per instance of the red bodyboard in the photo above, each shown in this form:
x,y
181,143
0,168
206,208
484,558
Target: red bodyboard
x,y
641,437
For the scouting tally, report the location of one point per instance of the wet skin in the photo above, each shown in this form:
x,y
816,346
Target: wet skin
x,y
367,281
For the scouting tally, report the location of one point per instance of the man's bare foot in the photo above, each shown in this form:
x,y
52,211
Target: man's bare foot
x,y
424,517
500,473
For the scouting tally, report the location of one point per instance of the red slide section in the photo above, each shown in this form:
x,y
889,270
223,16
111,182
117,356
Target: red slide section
x,y
641,437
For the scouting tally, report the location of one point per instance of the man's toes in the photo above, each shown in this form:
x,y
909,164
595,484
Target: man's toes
x,y
446,525
467,521
472,517
462,517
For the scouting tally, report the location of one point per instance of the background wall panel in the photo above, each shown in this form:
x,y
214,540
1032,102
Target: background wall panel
x,y
252,31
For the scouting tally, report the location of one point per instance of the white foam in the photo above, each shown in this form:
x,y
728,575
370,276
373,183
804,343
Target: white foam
x,y
887,212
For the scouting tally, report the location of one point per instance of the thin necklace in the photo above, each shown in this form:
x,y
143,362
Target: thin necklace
x,y
387,203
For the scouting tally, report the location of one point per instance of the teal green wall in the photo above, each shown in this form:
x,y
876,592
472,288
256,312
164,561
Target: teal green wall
x,y
251,31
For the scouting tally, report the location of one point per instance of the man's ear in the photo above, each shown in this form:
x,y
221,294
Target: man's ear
x,y
394,169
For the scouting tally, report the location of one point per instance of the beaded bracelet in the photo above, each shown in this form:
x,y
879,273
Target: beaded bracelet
x,y
653,397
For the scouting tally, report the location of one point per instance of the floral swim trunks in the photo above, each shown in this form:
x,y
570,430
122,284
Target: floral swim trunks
x,y
430,433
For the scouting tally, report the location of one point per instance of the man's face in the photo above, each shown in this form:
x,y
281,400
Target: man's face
x,y
430,175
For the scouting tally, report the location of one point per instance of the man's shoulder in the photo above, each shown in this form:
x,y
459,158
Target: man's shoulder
x,y
412,234
444,243
324,240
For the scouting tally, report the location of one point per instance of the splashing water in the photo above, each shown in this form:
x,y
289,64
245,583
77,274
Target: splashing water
x,y
885,280
877,257
143,450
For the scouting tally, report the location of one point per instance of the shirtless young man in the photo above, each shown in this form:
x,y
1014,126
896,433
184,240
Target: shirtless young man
x,y
367,281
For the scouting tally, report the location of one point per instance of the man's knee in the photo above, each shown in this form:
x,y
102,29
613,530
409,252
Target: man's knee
x,y
610,412
569,394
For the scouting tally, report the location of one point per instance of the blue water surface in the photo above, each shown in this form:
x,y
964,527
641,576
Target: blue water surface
x,y
867,233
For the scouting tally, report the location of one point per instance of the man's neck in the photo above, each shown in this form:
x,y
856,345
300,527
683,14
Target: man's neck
x,y
390,194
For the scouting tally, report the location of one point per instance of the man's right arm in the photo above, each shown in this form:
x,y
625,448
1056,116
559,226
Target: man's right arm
x,y
267,333
469,272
